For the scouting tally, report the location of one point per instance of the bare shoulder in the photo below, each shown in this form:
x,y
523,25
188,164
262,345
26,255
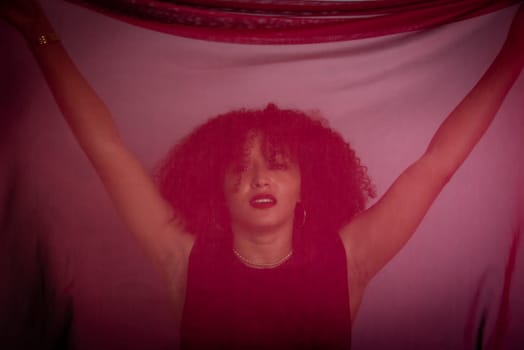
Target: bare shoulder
x,y
183,240
357,276
173,263
356,265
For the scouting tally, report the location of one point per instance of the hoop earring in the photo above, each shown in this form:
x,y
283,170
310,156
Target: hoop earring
x,y
304,214
217,225
216,215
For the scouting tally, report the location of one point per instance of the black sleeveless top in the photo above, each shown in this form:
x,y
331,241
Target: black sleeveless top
x,y
301,304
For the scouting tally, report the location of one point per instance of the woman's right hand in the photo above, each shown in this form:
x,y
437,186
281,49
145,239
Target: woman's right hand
x,y
516,34
26,16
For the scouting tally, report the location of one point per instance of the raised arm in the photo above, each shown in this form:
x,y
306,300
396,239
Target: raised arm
x,y
377,234
144,211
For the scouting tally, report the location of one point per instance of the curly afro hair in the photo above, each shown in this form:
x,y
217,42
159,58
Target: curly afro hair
x,y
335,186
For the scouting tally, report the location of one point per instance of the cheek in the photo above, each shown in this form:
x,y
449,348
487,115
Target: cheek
x,y
233,193
296,186
231,184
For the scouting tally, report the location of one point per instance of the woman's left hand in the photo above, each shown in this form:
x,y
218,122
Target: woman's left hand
x,y
515,37
24,15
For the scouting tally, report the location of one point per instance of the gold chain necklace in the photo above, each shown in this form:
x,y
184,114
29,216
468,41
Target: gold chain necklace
x,y
249,263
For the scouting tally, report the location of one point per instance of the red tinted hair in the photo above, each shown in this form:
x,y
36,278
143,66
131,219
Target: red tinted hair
x,y
335,185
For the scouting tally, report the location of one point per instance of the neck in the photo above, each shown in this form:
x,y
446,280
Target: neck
x,y
263,248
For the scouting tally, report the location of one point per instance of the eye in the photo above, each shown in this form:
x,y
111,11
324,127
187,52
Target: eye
x,y
237,168
279,166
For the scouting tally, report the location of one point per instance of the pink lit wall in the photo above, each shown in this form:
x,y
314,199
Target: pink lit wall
x,y
386,95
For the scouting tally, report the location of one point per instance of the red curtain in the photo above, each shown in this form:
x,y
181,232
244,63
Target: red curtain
x,y
290,21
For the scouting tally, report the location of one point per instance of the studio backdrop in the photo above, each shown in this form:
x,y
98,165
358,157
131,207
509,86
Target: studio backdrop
x,y
384,74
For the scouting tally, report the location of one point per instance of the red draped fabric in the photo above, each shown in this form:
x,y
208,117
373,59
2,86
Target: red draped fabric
x,y
290,21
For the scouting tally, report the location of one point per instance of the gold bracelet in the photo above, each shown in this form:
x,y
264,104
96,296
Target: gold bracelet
x,y
45,39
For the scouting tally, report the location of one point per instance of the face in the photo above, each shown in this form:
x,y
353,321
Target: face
x,y
262,197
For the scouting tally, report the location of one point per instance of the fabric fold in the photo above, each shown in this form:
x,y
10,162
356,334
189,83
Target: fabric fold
x,y
290,22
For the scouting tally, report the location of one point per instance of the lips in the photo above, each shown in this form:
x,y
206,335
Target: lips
x,y
262,201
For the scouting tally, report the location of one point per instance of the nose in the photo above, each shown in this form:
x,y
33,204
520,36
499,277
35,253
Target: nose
x,y
260,177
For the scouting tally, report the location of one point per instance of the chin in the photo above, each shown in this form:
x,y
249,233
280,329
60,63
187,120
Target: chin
x,y
268,225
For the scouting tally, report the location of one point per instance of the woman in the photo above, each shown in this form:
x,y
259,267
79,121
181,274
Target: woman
x,y
271,189
252,230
